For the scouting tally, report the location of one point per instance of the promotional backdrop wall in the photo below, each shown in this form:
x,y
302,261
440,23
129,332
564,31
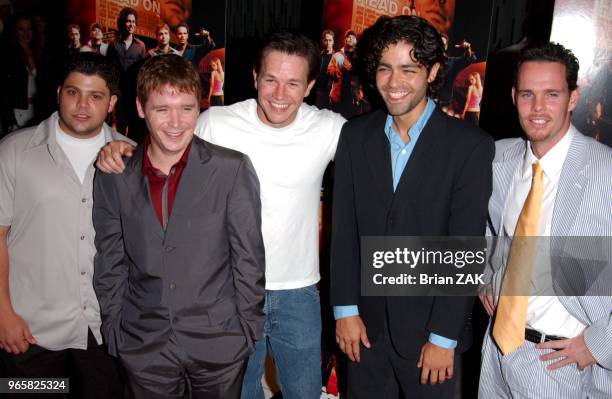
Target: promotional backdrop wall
x,y
198,15
585,26
464,24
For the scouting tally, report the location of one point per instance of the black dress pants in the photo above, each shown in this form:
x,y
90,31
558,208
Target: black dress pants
x,y
383,373
93,373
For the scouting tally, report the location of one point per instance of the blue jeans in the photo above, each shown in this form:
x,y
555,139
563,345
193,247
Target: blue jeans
x,y
292,335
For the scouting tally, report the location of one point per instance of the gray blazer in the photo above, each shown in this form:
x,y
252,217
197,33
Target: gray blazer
x,y
583,207
201,279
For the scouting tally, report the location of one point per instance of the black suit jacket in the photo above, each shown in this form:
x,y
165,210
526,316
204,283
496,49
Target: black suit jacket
x,y
202,278
443,191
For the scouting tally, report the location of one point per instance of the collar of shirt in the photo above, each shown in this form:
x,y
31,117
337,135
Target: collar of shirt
x,y
158,51
93,45
148,168
400,151
552,161
163,188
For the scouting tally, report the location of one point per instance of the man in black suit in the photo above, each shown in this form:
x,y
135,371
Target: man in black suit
x,y
409,170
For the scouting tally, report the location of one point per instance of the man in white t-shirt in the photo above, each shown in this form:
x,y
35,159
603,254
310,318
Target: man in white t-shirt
x,y
290,144
49,313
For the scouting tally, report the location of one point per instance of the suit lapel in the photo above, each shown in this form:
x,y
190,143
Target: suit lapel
x,y
139,187
572,184
570,193
378,157
422,156
194,181
503,177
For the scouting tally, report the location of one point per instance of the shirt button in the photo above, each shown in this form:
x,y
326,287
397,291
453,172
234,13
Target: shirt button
x,y
175,319
82,273
169,249
403,152
83,200
172,286
82,237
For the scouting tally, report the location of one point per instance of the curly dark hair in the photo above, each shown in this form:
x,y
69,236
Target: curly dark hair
x,y
89,64
551,52
428,48
122,17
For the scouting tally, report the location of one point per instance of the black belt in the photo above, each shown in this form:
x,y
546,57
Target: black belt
x,y
537,337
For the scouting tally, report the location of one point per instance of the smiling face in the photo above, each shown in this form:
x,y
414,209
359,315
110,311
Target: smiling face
x,y
171,117
282,84
402,82
174,12
130,24
84,102
544,103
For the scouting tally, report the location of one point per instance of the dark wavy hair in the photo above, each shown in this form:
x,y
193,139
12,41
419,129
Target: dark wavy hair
x,y
551,52
292,43
89,63
122,17
428,48
182,25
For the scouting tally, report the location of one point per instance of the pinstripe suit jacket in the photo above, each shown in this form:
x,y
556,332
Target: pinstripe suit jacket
x,y
583,207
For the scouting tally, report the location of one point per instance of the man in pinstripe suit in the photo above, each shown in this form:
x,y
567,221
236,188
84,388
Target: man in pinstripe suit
x,y
567,351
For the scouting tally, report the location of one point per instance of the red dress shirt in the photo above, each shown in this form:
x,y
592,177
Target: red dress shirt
x,y
162,188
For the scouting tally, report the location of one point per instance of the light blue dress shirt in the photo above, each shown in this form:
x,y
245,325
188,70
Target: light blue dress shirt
x,y
400,154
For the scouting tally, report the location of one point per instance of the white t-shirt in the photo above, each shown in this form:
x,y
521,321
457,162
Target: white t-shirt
x,y
80,152
290,163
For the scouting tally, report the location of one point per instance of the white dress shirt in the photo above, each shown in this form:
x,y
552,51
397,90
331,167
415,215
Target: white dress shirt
x,y
545,313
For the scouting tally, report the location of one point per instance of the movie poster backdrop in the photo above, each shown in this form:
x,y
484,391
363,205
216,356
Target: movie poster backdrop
x,y
199,15
585,27
465,28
